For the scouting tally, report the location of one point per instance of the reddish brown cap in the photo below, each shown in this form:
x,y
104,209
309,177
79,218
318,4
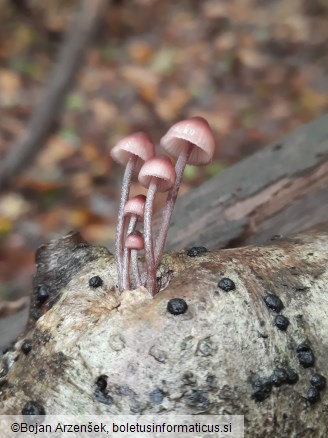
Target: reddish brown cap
x,y
160,168
135,206
195,131
135,240
138,144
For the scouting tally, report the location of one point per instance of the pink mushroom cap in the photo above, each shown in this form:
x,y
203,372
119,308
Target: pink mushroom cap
x,y
195,131
135,206
135,240
138,144
160,168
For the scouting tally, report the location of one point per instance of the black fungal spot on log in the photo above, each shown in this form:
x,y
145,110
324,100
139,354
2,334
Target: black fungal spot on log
x,y
198,400
262,335
281,322
177,306
101,383
262,387
211,381
273,302
156,396
226,284
4,370
36,314
305,355
292,376
318,381
26,346
4,384
313,395
189,378
42,374
196,251
279,377
276,237
95,281
81,245
42,293
33,408
101,392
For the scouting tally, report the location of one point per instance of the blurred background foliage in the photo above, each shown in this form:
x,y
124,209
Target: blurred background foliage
x,y
255,69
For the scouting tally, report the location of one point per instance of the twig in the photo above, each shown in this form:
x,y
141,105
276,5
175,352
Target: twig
x,y
21,153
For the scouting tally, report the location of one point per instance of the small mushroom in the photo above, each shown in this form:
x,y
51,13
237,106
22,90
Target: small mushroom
x,y
134,243
158,175
192,141
134,208
132,151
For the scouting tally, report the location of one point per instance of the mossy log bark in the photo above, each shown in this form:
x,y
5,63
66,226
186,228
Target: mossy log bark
x,y
220,356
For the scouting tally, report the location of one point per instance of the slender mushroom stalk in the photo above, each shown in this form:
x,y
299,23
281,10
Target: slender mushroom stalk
x,y
158,175
134,208
192,141
131,152
135,267
133,243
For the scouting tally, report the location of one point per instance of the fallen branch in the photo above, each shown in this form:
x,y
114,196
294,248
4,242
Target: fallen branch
x,y
21,153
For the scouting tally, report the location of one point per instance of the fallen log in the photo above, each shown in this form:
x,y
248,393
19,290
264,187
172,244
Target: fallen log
x,y
246,336
279,190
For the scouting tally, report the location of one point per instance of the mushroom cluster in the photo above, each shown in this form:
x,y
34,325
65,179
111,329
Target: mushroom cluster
x,y
190,141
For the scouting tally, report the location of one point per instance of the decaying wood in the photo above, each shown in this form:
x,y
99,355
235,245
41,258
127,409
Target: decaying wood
x,y
281,189
74,46
206,360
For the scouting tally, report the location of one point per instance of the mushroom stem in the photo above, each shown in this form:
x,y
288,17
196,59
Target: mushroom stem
x,y
149,249
135,268
120,221
134,242
126,255
128,258
158,175
170,202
